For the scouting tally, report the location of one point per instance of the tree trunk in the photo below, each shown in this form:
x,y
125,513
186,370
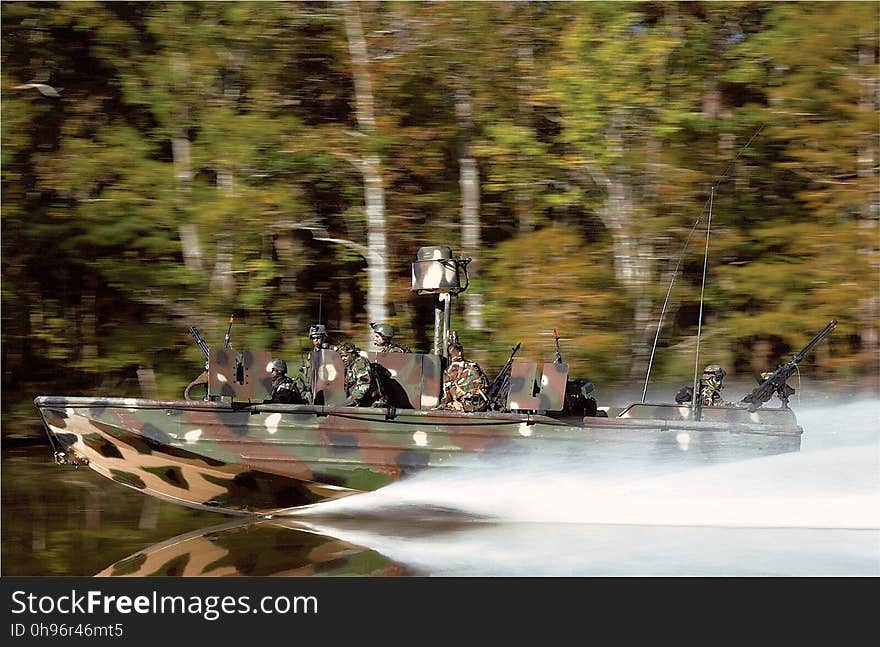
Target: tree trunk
x,y
370,167
222,278
470,237
469,183
182,164
632,267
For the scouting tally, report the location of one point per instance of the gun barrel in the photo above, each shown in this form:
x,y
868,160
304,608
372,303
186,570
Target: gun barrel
x,y
815,340
778,378
226,339
499,384
200,342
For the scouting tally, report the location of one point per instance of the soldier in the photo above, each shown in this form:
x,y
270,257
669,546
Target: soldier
x,y
710,387
382,336
305,378
284,389
318,336
361,385
465,386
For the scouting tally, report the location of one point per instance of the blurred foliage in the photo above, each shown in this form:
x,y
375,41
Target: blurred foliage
x,y
195,151
547,280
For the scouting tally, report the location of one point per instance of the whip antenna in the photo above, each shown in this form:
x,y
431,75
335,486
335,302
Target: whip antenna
x,y
695,397
722,177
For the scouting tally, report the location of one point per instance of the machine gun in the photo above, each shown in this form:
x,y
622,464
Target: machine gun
x,y
776,382
201,344
499,387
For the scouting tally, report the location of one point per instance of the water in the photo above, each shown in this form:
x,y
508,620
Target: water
x,y
814,513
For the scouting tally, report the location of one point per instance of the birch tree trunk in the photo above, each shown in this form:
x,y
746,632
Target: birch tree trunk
x,y
469,184
632,256
632,266
370,168
181,162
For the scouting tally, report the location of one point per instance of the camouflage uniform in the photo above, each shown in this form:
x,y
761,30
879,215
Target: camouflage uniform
x,y
361,385
285,391
303,380
710,387
464,387
392,347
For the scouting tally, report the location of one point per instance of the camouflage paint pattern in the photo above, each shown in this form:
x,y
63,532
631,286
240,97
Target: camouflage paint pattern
x,y
534,390
329,385
432,381
401,379
264,458
236,454
255,384
524,386
553,380
434,271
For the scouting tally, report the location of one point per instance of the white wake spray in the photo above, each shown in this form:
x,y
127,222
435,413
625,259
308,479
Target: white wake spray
x,y
826,487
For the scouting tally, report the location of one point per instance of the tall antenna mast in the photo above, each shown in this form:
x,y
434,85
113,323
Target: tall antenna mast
x,y
684,249
696,397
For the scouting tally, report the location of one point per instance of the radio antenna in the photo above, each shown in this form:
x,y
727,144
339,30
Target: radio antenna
x,y
684,249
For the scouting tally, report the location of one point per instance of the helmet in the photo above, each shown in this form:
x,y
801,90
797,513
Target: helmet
x,y
277,364
317,331
347,347
383,329
713,370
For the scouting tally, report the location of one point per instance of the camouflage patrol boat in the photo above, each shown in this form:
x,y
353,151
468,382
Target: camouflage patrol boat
x,y
232,452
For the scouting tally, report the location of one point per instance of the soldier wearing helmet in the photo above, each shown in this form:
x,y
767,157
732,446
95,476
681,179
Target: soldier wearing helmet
x,y
465,386
383,334
711,386
305,377
284,389
318,336
361,385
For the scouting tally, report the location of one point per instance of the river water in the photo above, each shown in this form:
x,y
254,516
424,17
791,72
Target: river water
x,y
814,513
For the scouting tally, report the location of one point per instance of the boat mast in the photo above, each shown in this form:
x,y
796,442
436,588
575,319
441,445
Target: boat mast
x,y
695,400
435,271
443,322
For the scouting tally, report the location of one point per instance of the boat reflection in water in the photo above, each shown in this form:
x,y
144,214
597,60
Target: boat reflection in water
x,y
815,513
261,548
287,547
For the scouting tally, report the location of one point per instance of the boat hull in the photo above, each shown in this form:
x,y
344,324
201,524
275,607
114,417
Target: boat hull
x,y
240,458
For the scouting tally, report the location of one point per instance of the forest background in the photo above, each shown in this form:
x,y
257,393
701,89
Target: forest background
x,y
168,164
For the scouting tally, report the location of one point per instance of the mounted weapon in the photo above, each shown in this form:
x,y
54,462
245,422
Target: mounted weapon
x,y
499,387
776,382
201,344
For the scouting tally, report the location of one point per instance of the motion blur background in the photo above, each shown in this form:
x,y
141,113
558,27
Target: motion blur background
x,y
169,164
